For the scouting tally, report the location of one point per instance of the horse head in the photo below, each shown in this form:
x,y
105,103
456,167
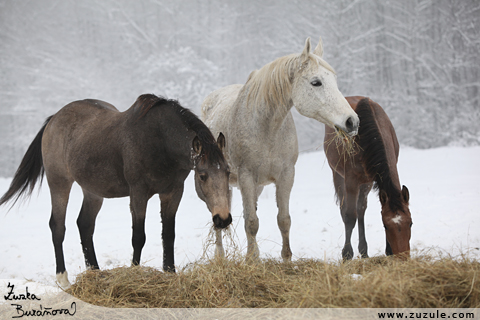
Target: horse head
x,y
315,93
398,225
211,179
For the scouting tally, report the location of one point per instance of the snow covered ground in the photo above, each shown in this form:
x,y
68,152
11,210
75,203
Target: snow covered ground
x,y
445,204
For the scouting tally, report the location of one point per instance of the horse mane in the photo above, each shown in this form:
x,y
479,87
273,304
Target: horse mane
x,y
374,155
210,150
272,84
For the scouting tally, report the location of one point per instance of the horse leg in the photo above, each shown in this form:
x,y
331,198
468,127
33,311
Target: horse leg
x,y
283,188
219,251
248,190
257,195
86,226
59,193
138,207
361,207
168,209
347,193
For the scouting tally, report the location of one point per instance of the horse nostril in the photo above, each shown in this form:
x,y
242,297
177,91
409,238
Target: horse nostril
x,y
349,124
220,223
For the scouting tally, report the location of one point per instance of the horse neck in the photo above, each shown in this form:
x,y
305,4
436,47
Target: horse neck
x,y
179,140
265,117
378,141
388,179
390,146
393,176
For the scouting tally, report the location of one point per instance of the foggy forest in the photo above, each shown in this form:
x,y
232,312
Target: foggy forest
x,y
419,59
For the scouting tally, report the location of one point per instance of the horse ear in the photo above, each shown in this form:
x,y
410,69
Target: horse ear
x,y
319,48
221,141
197,145
383,197
405,194
306,50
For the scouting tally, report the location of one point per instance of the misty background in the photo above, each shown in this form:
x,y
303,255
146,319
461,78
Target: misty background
x,y
418,58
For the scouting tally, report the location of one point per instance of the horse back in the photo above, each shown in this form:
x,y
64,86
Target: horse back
x,y
216,112
217,105
99,104
81,143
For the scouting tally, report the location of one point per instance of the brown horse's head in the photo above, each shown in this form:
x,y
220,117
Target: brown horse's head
x,y
211,180
397,223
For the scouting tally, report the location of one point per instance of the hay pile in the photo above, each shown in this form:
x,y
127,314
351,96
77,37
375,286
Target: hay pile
x,y
421,282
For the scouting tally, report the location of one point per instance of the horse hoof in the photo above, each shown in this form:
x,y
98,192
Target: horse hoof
x,y
62,280
169,269
347,254
287,255
219,252
253,256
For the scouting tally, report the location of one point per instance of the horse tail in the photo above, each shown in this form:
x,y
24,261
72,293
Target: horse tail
x,y
29,172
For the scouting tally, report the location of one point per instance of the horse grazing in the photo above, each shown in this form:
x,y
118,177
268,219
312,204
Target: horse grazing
x,y
262,145
374,163
148,149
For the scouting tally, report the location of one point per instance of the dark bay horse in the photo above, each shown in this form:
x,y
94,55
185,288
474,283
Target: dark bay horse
x,y
148,149
373,163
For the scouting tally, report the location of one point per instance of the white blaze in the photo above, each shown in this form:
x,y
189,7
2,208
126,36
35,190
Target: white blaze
x,y
397,219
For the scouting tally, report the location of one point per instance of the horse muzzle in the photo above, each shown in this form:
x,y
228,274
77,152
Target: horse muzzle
x,y
350,127
220,223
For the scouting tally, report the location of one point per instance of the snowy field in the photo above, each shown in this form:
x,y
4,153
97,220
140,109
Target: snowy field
x,y
444,201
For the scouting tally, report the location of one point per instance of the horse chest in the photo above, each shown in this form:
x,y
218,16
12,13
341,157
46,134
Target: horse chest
x,y
269,171
358,171
350,166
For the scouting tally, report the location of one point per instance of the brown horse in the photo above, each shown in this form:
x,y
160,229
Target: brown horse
x,y
373,163
148,149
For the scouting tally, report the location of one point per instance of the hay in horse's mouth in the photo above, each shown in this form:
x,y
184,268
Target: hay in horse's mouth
x,y
344,143
230,244
341,131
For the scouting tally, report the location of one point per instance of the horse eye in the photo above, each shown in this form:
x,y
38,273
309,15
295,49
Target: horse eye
x,y
316,83
203,177
385,227
411,224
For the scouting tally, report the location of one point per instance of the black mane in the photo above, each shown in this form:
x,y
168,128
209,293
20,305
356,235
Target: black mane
x,y
374,155
210,148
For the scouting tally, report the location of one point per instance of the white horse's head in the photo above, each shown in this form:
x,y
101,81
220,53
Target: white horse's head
x,y
315,92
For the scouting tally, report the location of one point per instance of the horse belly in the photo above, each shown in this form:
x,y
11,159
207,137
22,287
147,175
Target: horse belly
x,y
98,167
272,171
106,190
102,180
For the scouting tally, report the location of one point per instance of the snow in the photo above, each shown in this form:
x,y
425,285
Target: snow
x,y
418,59
444,201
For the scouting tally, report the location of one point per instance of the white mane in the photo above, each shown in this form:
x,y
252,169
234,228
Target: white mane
x,y
271,85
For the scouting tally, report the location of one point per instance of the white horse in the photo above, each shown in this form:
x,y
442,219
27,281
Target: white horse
x,y
261,140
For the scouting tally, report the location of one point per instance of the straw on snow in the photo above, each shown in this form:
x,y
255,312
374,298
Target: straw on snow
x,y
380,282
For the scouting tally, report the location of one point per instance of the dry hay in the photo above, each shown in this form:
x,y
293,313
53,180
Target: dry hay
x,y
380,282
346,146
